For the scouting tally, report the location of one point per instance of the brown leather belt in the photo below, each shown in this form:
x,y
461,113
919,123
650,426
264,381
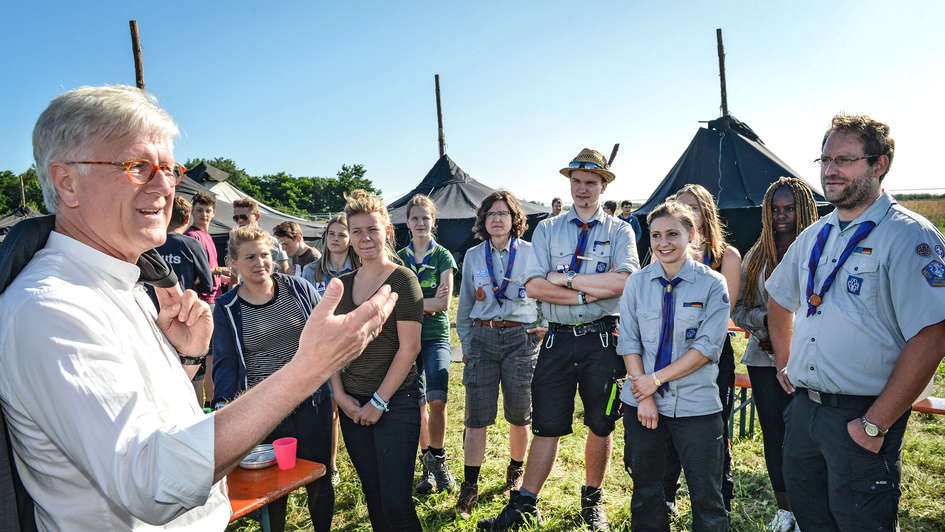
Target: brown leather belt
x,y
497,324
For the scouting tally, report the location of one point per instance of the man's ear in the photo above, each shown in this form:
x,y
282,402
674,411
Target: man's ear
x,y
603,187
64,179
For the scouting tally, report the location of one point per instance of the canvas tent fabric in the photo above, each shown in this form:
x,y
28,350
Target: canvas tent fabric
x,y
457,197
729,159
204,172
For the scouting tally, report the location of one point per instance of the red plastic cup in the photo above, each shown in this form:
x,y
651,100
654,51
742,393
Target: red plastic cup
x,y
285,452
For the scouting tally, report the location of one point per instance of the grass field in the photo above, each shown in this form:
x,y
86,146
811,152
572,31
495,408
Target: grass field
x,y
921,508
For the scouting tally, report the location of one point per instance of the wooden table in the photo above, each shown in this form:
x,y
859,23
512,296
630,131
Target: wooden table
x,y
254,489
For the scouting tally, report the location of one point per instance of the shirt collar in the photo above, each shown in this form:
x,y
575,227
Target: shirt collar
x,y
120,274
687,271
508,244
874,213
598,215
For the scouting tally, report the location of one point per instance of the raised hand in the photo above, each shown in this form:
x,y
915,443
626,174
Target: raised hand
x,y
185,320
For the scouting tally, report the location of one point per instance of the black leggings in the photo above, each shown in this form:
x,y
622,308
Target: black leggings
x,y
726,384
770,400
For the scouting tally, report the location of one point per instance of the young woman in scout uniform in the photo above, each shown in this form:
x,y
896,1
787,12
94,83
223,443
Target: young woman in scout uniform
x,y
377,392
434,266
788,208
674,319
495,321
337,258
709,248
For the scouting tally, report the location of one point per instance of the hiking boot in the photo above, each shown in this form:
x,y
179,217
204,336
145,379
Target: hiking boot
x,y
592,512
468,496
783,522
519,511
513,478
437,466
427,482
335,477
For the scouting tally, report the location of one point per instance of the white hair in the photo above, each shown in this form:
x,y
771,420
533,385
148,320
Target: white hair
x,y
76,121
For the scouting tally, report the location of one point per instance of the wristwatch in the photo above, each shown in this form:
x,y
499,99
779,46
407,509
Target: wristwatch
x,y
872,429
571,275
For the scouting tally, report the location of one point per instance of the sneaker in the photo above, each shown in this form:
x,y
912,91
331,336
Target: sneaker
x,y
592,511
468,496
335,477
516,513
438,467
672,510
427,482
513,478
783,522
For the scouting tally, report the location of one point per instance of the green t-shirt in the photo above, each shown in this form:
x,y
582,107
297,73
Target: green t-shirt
x,y
437,325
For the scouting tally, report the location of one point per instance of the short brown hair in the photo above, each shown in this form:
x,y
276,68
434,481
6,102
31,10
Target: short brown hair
x,y
519,222
288,230
205,199
246,233
247,203
180,213
873,134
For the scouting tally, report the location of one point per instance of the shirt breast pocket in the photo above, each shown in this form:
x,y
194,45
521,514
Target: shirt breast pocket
x,y
859,279
600,257
649,323
561,260
481,280
688,321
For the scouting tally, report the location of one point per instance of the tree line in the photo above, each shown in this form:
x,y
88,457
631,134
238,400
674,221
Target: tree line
x,y
283,191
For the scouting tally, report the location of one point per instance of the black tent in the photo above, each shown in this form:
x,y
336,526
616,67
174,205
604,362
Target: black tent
x,y
204,172
20,213
732,162
457,196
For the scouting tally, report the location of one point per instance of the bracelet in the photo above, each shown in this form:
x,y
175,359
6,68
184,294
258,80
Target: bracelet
x,y
191,361
656,380
582,299
379,403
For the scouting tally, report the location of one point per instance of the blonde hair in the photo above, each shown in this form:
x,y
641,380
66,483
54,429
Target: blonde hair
x,y
321,268
360,201
421,200
672,209
712,231
247,233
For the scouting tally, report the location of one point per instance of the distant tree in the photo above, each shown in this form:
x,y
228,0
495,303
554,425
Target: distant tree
x,y
10,197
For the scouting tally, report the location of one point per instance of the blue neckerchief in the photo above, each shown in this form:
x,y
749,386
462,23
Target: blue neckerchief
x,y
418,269
664,355
581,243
707,258
861,232
499,289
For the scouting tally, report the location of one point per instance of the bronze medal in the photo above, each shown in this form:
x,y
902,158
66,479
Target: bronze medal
x,y
814,300
480,294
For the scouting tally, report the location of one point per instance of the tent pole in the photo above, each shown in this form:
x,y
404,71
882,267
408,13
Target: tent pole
x,y
136,50
613,154
721,49
439,116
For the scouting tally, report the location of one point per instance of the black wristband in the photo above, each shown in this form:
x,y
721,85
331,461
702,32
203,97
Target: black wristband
x,y
191,361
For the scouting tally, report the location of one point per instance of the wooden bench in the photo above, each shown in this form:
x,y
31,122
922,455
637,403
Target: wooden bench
x,y
251,490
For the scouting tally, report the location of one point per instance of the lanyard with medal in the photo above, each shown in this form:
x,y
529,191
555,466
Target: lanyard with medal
x,y
497,289
814,300
418,269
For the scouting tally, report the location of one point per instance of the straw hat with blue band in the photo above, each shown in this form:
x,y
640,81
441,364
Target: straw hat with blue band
x,y
591,161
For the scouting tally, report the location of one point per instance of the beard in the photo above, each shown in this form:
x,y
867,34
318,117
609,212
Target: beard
x,y
859,191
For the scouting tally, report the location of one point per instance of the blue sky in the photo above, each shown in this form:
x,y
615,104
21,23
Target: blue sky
x,y
305,87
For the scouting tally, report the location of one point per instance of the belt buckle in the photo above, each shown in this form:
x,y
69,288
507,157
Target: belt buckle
x,y
579,330
814,396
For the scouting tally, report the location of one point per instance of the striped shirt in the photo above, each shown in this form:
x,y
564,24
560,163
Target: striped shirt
x,y
271,333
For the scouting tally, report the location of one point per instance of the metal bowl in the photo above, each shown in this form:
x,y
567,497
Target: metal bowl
x,y
260,457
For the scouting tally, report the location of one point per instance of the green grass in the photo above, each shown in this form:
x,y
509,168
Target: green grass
x,y
920,509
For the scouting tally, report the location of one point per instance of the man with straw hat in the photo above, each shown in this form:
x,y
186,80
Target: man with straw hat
x,y
581,261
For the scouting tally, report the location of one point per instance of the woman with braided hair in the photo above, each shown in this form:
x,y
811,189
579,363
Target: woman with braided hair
x,y
788,208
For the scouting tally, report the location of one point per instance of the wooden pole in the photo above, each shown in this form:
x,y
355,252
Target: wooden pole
x,y
718,38
136,49
439,116
613,154
22,193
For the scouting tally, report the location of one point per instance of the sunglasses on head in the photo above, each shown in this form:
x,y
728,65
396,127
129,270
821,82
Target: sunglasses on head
x,y
584,164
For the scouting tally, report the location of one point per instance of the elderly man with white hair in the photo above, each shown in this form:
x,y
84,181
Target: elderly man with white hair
x,y
105,431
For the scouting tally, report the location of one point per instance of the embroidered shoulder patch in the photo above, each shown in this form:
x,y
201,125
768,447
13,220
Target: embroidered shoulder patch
x,y
923,250
854,284
940,251
725,298
601,267
934,273
691,333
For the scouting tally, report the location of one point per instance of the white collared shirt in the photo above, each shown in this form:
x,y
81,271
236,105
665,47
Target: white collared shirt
x,y
105,429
